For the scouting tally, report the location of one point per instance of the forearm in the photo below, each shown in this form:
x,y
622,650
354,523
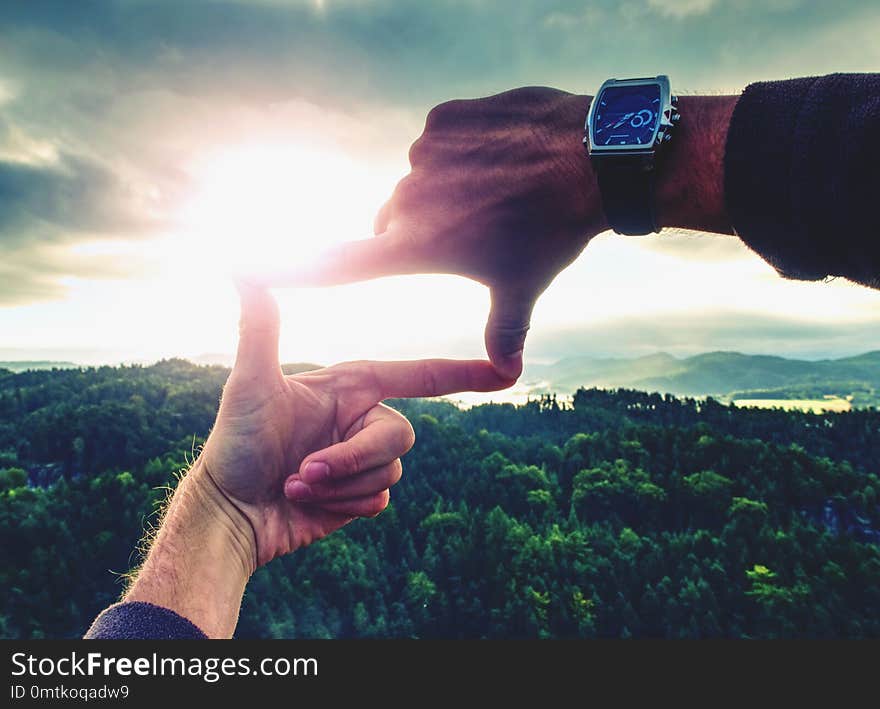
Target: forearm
x,y
690,187
201,558
788,166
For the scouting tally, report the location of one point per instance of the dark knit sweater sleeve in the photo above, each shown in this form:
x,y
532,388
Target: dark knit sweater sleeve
x,y
142,621
802,175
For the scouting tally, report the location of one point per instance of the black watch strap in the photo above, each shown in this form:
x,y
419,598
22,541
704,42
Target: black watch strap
x,y
626,184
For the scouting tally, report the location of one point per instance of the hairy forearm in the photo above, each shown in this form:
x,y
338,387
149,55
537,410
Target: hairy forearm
x,y
201,559
690,187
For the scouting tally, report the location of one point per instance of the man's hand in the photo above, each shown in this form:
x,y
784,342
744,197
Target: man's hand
x,y
501,190
290,459
300,456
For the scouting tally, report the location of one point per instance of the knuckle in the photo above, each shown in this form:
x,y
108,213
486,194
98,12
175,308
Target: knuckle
x,y
326,492
379,503
417,152
429,380
442,115
515,319
354,459
509,337
407,435
396,472
355,375
406,193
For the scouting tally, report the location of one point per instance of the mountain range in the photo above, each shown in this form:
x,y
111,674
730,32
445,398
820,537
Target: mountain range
x,y
24,365
727,375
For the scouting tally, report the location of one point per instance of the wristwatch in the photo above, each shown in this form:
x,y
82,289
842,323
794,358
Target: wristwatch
x,y
629,127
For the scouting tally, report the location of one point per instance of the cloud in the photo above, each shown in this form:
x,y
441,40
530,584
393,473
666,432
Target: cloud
x,y
581,18
681,8
407,51
693,246
75,196
49,202
23,285
40,271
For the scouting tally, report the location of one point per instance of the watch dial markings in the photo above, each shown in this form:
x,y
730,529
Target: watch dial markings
x,y
629,108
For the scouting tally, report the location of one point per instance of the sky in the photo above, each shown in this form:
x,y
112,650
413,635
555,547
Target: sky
x,y
148,149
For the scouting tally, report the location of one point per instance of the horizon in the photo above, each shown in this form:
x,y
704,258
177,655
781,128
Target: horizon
x,y
222,359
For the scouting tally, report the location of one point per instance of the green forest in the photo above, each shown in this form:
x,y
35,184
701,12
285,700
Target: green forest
x,y
618,514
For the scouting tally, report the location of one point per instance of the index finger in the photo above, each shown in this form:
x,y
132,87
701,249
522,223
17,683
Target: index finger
x,y
434,377
351,261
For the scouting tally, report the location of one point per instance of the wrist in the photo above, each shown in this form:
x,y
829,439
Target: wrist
x,y
585,198
202,558
221,521
690,178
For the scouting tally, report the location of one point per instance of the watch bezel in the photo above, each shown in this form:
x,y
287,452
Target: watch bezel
x,y
661,129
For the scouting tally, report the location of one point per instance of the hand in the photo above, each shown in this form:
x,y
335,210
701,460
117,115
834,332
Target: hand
x,y
300,456
500,191
290,459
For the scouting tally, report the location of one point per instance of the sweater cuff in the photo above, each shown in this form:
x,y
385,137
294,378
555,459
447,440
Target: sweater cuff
x,y
801,178
142,621
759,155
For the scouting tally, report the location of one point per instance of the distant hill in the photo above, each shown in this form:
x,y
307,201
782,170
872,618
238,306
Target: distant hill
x,y
729,375
222,358
202,360
25,365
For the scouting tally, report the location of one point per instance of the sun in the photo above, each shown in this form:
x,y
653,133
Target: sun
x,y
259,208
268,207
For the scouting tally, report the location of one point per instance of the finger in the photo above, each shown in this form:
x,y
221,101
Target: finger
x,y
506,330
259,329
386,435
369,506
351,261
383,218
427,377
363,485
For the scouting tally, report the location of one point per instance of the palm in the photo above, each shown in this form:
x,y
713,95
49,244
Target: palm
x,y
265,428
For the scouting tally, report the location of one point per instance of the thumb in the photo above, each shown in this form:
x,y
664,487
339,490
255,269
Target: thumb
x,y
506,330
258,331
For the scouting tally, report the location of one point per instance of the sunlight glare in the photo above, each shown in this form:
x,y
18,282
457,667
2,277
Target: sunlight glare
x,y
261,207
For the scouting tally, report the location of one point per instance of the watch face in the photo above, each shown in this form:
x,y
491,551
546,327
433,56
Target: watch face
x,y
626,115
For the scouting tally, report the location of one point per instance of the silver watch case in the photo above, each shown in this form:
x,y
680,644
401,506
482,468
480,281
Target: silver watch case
x,y
662,132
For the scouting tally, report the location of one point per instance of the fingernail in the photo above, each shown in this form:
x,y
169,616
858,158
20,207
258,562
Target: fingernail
x,y
315,472
297,490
